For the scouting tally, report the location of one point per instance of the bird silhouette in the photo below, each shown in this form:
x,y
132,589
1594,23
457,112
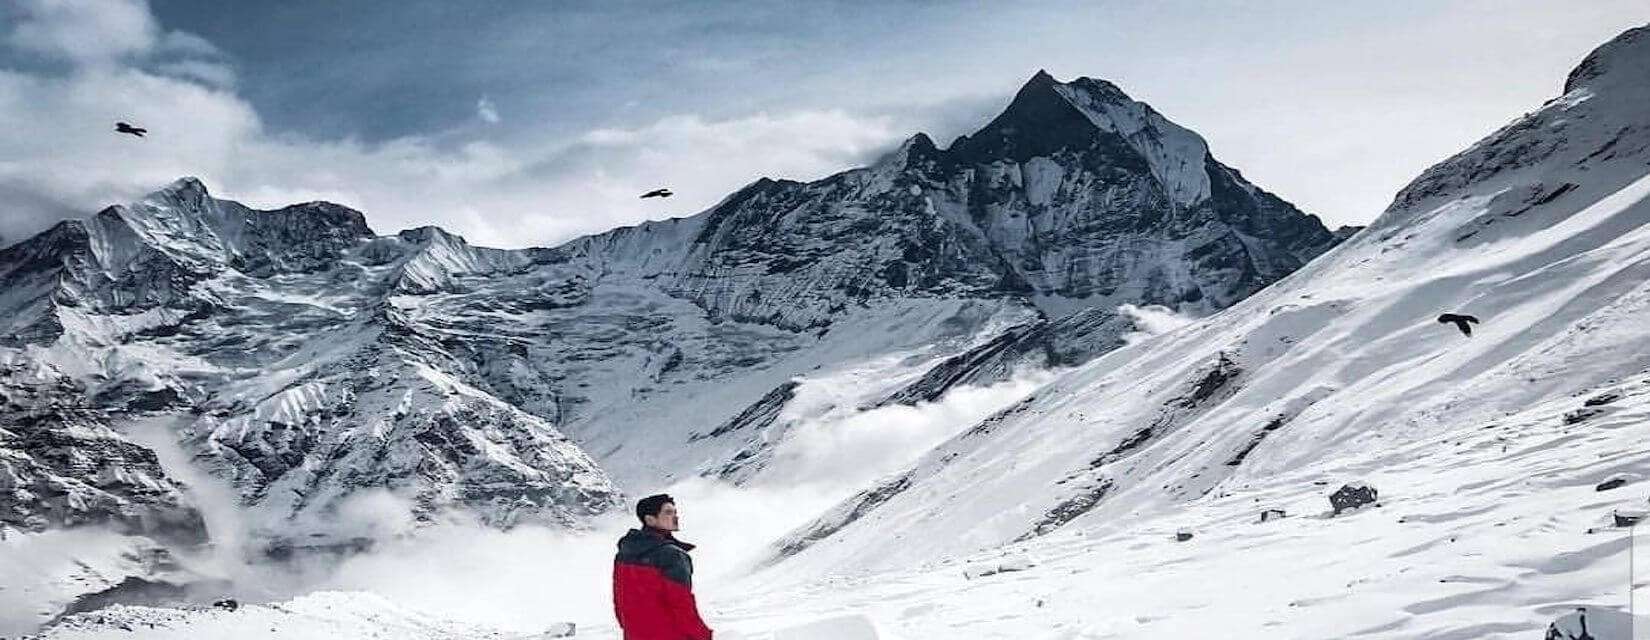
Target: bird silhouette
x,y
121,127
658,193
1461,322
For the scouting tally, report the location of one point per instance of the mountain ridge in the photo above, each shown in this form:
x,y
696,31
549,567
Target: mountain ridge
x,y
307,359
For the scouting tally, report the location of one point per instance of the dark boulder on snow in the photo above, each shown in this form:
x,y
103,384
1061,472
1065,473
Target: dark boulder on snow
x,y
1601,399
1582,415
1352,496
1614,482
1272,514
227,604
1182,535
1590,624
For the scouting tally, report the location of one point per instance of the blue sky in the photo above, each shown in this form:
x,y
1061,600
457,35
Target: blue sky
x,y
521,123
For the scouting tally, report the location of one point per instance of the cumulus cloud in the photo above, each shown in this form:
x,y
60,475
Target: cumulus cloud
x,y
492,193
84,31
64,156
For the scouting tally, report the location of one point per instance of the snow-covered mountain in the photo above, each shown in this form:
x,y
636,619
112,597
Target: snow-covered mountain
x,y
266,341
1174,487
1342,372
1014,246
309,361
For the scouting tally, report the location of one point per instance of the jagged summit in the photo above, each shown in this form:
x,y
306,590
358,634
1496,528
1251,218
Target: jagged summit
x,y
320,360
920,142
1623,61
1096,118
1595,136
430,233
1040,121
184,187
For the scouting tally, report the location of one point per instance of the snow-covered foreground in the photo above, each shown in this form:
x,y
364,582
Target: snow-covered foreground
x,y
1486,530
326,614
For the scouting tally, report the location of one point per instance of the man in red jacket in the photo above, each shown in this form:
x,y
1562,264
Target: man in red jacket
x,y
653,578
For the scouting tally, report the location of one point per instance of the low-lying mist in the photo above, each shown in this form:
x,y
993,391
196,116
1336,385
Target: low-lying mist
x,y
531,576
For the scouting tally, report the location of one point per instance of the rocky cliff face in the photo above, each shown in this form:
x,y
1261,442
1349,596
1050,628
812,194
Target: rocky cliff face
x,y
1075,196
308,362
62,466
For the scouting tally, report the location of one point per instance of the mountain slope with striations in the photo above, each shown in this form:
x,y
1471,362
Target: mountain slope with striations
x,y
314,365
1342,372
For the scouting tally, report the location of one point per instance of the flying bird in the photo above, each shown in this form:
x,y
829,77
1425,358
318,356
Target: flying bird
x,y
121,127
657,193
1461,322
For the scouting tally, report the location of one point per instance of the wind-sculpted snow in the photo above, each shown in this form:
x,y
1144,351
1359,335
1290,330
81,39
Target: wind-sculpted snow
x,y
1542,231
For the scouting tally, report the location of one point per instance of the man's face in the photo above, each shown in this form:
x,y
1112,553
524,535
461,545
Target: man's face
x,y
667,519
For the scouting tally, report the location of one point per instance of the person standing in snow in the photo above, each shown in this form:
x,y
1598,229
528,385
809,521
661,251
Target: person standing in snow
x,y
653,578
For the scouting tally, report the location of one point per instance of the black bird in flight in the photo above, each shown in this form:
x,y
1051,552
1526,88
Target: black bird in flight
x,y
121,127
1461,322
657,193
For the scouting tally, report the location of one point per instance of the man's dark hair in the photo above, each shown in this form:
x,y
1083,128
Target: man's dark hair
x,y
651,505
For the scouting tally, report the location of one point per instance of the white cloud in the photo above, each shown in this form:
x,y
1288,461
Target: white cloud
x,y
184,43
67,153
597,178
801,138
492,193
85,31
486,110
844,450
210,73
511,192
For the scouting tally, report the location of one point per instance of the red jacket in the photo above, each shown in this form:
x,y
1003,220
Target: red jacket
x,y
653,588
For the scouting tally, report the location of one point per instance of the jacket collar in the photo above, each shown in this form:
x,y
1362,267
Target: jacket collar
x,y
667,537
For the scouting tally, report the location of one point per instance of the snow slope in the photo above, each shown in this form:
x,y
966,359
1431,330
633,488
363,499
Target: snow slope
x,y
1340,358
1481,533
1339,373
1500,458
316,616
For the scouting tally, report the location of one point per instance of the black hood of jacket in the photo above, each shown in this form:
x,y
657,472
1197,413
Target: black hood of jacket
x,y
638,543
